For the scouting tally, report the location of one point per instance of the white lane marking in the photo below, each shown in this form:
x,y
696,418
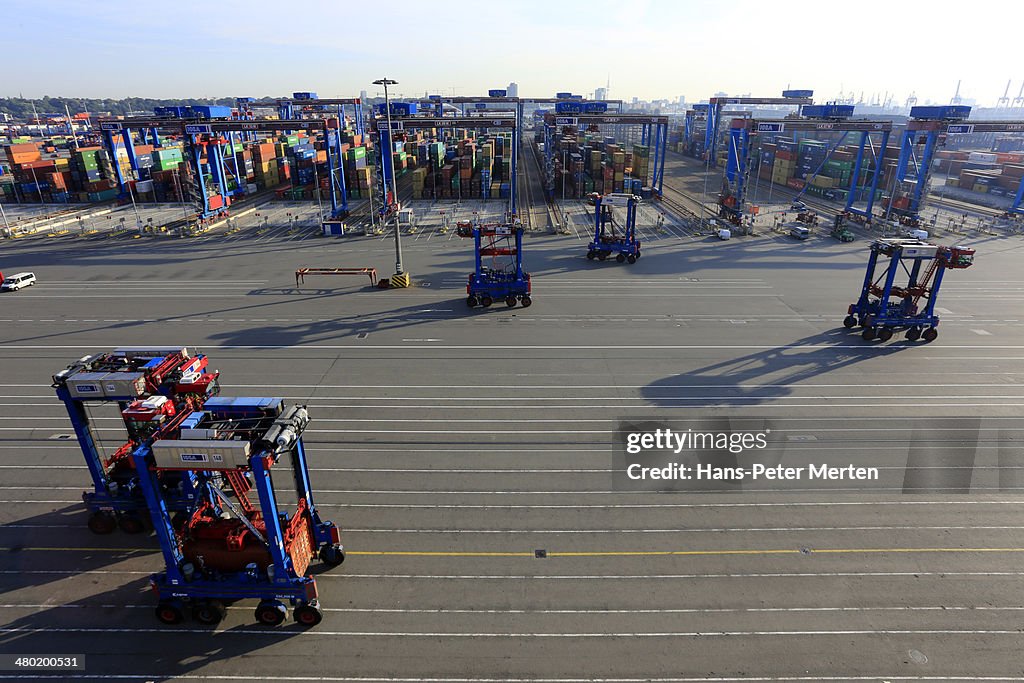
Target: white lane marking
x,y
561,577
204,282
527,634
629,506
667,610
673,531
351,530
492,387
420,679
132,296
539,420
722,505
982,333
874,348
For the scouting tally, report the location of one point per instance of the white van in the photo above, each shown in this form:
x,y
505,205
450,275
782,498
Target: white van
x,y
17,281
800,233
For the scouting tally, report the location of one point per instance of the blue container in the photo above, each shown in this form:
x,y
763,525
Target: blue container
x,y
563,95
210,111
798,93
828,111
569,108
304,95
945,112
595,107
497,93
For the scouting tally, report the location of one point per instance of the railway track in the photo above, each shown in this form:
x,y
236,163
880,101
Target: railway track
x,y
534,184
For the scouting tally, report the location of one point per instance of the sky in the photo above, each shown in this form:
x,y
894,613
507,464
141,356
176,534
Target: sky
x,y
651,49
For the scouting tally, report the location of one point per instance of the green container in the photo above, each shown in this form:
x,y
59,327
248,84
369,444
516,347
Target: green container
x,y
356,153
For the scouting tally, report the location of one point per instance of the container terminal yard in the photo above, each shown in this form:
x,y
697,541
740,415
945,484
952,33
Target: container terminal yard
x,y
497,387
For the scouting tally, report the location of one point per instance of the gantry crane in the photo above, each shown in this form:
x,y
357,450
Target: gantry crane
x,y
399,124
653,132
232,544
151,386
206,154
884,306
502,276
610,238
822,118
927,130
716,105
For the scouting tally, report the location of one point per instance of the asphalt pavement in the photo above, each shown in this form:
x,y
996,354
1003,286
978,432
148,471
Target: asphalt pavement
x,y
468,456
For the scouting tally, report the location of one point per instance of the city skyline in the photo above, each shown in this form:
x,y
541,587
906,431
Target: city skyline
x,y
651,49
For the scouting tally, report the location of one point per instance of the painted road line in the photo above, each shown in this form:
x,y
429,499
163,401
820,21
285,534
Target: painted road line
x,y
246,678
581,554
278,633
547,347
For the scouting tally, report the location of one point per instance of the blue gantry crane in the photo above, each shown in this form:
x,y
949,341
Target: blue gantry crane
x,y
335,112
653,132
926,131
885,307
502,276
828,118
404,117
210,154
238,540
150,386
716,105
611,238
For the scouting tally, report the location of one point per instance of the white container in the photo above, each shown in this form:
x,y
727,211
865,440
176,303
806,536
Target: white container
x,y
919,234
724,234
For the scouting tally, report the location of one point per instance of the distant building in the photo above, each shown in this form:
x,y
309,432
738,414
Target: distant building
x,y
362,95
513,90
601,94
636,100
682,99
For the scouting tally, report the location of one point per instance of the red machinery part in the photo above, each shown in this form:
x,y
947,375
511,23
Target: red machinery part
x,y
224,545
200,385
298,538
